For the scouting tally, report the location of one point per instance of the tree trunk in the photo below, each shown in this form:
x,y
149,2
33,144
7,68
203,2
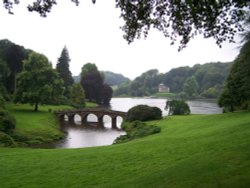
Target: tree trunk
x,y
36,107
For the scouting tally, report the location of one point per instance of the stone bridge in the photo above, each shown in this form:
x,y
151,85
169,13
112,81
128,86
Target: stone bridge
x,y
98,112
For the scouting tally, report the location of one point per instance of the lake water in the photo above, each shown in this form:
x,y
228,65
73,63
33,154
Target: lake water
x,y
79,136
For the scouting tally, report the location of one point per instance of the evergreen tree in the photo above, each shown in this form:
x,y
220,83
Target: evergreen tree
x,y
62,68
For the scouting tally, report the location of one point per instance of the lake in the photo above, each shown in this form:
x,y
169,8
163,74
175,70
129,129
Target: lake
x,y
79,136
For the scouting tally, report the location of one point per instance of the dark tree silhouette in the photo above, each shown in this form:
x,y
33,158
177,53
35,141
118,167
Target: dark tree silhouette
x,y
106,94
14,56
92,82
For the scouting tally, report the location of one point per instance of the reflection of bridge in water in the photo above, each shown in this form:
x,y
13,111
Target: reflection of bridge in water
x,y
98,112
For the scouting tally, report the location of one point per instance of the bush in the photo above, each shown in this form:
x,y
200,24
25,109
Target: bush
x,y
6,140
177,107
144,113
136,129
7,121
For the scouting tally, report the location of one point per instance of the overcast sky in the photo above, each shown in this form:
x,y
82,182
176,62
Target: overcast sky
x,y
92,34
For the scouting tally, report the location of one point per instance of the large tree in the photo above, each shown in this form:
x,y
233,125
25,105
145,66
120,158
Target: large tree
x,y
92,82
62,68
14,56
174,18
236,94
38,83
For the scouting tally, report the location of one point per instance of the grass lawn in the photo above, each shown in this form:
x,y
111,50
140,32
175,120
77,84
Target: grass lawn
x,y
37,127
191,151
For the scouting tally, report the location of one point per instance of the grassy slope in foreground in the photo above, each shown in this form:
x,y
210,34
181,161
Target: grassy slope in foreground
x,y
191,151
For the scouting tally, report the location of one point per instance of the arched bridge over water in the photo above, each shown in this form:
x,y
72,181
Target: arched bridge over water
x,y
98,112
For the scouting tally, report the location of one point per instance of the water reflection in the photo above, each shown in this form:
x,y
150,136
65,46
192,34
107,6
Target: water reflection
x,y
87,135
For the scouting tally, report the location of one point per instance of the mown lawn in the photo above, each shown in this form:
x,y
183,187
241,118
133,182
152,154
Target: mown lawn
x,y
191,151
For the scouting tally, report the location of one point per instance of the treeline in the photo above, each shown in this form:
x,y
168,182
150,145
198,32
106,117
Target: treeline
x,y
204,81
28,77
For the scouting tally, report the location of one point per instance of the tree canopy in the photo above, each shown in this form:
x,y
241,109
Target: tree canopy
x,y
38,83
176,19
92,82
236,93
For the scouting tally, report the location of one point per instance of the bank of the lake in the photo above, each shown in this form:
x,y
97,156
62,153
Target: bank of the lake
x,y
190,151
39,127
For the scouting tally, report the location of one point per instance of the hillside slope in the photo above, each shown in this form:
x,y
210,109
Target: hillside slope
x,y
190,151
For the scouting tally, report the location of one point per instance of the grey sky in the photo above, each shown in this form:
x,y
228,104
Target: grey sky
x,y
92,34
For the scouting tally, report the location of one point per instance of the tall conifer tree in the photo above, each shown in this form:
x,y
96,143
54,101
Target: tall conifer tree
x,y
62,68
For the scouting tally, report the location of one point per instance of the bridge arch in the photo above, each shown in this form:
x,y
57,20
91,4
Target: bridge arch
x,y
99,113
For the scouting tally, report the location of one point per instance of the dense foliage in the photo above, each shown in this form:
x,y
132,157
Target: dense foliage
x,y
62,68
143,113
11,58
176,19
92,82
177,107
190,82
136,129
38,83
236,94
7,121
77,95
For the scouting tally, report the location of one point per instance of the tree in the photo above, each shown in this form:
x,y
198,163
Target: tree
x,y
191,87
62,68
93,83
4,73
106,94
77,95
14,57
174,18
38,83
177,107
236,94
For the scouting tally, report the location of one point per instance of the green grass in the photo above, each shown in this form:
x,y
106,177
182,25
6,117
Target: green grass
x,y
190,151
36,127
90,104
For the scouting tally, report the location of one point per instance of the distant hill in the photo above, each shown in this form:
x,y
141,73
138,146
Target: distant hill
x,y
110,78
113,79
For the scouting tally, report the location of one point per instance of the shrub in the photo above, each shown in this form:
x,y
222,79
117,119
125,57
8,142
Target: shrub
x,y
144,113
6,140
7,121
136,129
177,107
